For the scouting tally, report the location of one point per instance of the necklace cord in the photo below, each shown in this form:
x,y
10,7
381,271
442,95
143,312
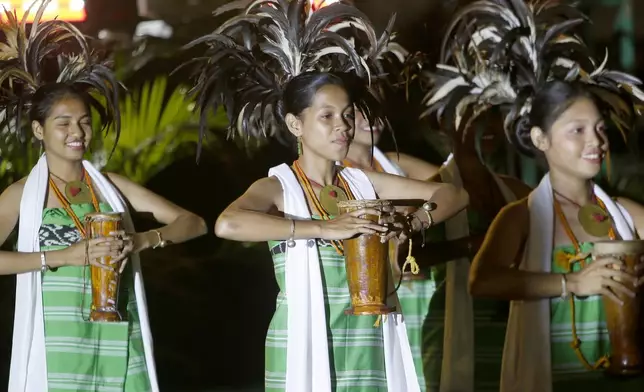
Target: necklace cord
x,y
604,361
82,229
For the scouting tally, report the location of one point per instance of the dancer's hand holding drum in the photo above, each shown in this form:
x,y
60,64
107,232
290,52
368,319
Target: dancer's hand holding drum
x,y
128,247
350,224
397,225
92,250
605,276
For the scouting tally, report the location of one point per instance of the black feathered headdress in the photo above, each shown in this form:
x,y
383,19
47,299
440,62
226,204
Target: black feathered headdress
x,y
26,58
252,56
500,52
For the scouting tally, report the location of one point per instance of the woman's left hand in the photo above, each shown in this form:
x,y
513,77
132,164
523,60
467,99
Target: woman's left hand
x,y
639,272
398,226
132,243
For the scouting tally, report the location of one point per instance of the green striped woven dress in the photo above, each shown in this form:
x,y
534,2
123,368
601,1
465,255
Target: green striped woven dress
x,y
414,297
356,350
83,355
490,322
568,372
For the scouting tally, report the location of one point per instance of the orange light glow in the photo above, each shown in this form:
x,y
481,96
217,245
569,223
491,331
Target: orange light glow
x,y
317,4
67,10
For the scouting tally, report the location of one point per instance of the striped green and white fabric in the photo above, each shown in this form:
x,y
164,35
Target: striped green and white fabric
x,y
590,319
414,297
355,345
83,355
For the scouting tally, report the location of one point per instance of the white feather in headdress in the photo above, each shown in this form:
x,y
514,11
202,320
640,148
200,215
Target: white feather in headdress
x,y
22,62
504,50
251,56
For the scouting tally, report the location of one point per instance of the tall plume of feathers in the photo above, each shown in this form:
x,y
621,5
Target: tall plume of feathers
x,y
26,58
251,56
385,57
499,53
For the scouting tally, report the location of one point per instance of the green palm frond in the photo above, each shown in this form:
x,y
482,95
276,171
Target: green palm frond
x,y
156,122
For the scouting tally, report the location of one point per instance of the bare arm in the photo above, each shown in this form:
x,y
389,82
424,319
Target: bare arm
x,y
252,217
493,274
449,199
180,225
414,168
19,262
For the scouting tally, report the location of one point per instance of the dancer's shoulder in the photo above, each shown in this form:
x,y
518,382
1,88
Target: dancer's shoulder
x,y
516,211
518,187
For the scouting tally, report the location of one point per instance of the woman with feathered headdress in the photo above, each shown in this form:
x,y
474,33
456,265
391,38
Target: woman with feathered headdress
x,y
274,86
55,346
389,59
556,104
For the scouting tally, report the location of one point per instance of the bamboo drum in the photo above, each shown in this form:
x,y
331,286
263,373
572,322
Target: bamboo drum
x,y
367,264
623,321
105,283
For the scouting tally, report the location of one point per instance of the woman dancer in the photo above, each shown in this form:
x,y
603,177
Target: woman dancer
x,y
463,337
416,292
311,343
55,347
465,329
565,126
537,250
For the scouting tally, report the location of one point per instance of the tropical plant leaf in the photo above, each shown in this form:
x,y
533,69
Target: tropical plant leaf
x,y
158,121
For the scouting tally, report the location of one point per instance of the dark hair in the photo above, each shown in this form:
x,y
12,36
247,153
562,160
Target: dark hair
x,y
48,95
299,91
550,101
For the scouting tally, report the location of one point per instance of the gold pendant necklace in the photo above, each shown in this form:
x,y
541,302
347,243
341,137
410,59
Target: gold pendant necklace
x,y
592,217
76,192
330,195
594,220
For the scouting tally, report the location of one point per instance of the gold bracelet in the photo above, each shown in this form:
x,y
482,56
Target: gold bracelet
x,y
161,243
427,207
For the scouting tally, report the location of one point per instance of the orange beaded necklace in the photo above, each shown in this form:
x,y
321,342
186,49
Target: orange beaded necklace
x,y
320,210
376,165
579,257
67,206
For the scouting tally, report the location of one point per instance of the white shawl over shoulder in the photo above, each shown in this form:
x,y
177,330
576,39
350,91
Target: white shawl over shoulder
x,y
28,360
387,165
307,359
457,369
526,356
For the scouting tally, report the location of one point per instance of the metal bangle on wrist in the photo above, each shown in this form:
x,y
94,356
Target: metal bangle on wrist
x,y
44,267
564,287
291,241
428,206
161,243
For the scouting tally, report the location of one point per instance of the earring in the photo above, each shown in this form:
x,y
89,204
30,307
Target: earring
x,y
299,146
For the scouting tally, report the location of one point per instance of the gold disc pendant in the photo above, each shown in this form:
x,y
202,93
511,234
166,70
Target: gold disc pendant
x,y
77,192
330,195
594,220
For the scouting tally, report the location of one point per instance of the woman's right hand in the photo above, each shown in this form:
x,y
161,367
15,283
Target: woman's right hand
x,y
349,225
605,276
92,250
